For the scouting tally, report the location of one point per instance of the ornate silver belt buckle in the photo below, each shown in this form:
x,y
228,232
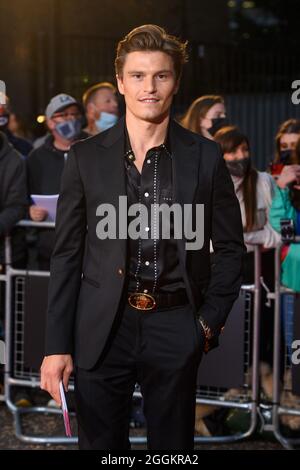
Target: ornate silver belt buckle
x,y
141,301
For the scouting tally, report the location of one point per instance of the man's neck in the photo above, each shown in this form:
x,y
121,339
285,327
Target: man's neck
x,y
145,135
61,144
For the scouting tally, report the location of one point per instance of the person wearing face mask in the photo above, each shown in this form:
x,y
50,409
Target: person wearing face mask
x,y
46,163
254,190
13,201
101,107
286,205
285,143
21,145
13,207
206,115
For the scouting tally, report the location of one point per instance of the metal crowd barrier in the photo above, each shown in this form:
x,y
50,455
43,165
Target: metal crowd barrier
x,y
2,396
282,388
247,396
18,375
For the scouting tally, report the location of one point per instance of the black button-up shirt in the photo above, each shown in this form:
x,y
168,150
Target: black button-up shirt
x,y
153,261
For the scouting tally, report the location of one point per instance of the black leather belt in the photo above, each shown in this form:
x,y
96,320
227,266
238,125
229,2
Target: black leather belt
x,y
143,301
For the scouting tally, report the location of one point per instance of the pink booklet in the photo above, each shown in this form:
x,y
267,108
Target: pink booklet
x,y
65,410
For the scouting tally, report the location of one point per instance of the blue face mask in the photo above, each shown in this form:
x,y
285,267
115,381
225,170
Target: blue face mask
x,y
69,130
106,121
4,119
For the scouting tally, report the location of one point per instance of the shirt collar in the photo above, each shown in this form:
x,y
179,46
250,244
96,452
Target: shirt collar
x,y
129,154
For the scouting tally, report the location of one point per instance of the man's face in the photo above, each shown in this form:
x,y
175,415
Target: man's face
x,y
69,113
65,124
148,83
105,101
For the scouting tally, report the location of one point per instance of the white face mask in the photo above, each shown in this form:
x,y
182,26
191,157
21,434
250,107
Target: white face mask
x,y
105,121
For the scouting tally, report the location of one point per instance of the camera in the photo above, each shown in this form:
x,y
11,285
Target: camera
x,y
287,230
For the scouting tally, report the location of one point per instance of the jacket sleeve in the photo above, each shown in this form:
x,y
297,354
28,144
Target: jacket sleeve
x,y
228,245
15,197
66,260
267,236
281,208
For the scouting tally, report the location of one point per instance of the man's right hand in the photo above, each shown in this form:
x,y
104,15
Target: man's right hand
x,y
53,369
37,213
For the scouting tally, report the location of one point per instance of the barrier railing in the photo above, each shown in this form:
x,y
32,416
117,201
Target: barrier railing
x,y
15,372
247,397
282,383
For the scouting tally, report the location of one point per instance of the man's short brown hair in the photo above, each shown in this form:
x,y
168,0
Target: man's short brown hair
x,y
151,38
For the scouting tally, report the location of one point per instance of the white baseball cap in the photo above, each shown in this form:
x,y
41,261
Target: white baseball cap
x,y
59,102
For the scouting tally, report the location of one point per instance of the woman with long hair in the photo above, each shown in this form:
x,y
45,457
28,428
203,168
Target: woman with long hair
x,y
286,205
205,116
286,140
254,190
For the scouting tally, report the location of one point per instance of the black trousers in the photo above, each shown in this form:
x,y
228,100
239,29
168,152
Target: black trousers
x,y
161,351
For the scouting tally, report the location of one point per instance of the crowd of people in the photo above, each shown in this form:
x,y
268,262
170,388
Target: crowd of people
x,y
266,198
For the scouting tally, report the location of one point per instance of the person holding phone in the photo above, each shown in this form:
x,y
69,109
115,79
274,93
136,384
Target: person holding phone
x,y
285,211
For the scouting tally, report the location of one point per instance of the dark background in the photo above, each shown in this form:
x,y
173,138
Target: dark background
x,y
246,50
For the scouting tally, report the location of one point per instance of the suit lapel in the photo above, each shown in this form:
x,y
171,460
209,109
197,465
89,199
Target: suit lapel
x,y
185,169
112,171
185,164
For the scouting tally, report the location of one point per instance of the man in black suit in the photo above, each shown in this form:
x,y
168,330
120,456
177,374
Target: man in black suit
x,y
134,306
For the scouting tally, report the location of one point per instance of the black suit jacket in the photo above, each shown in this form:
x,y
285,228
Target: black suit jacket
x,y
87,274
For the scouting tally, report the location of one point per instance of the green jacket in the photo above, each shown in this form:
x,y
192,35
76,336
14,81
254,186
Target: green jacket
x,y
282,209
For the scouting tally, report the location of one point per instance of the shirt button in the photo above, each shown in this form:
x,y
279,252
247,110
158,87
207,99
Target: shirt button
x,y
120,271
145,291
147,263
147,229
146,194
148,161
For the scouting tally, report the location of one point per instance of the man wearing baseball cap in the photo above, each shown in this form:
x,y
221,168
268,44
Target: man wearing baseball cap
x,y
45,164
21,145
